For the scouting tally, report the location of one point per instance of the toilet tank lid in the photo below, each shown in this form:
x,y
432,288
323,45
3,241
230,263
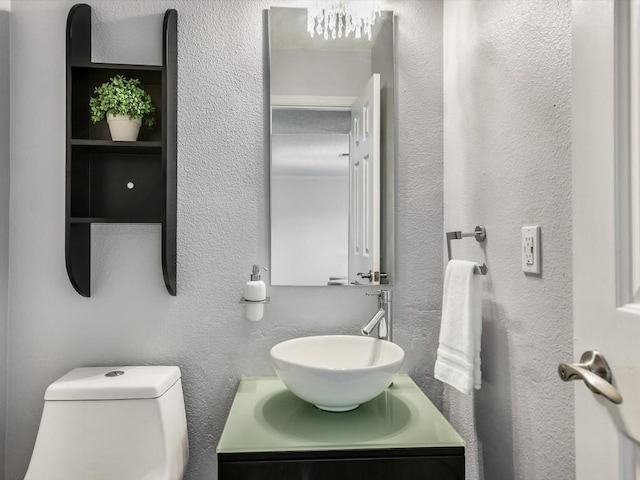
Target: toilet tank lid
x,y
113,383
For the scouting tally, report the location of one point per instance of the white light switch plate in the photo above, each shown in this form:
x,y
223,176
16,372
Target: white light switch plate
x,y
531,249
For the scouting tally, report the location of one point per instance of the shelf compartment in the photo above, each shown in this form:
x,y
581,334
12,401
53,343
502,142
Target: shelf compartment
x,y
115,185
86,79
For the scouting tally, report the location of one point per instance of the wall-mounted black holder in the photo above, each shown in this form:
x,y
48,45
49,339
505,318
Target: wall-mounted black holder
x,y
118,182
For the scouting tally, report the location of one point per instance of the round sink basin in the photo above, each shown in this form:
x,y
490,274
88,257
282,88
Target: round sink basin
x,y
337,372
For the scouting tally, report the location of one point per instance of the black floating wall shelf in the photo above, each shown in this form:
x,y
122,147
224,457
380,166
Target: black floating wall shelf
x,y
118,182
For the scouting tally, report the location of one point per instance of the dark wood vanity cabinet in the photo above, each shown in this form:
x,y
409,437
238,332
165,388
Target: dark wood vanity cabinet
x,y
118,182
391,464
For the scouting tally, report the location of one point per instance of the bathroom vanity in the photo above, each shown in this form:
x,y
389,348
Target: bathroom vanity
x,y
272,434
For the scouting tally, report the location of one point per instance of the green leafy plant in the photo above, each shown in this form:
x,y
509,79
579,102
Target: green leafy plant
x,y
122,96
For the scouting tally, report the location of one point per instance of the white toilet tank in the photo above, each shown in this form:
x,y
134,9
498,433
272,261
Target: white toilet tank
x,y
112,423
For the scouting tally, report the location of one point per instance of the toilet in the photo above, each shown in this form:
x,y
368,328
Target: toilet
x,y
112,423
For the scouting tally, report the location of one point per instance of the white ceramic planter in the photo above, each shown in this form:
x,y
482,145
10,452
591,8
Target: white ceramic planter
x,y
123,128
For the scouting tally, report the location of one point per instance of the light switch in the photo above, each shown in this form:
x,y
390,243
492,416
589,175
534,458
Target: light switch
x,y
531,249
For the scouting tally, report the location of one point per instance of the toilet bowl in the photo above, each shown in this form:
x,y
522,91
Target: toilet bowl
x,y
112,423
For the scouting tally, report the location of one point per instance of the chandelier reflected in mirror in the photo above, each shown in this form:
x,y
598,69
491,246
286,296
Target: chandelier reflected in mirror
x,y
335,19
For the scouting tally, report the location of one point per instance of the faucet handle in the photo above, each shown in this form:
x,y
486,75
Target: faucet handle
x,y
384,296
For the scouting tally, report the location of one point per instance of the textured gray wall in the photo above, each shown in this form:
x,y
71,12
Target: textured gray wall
x,y
5,8
302,122
310,72
222,217
507,91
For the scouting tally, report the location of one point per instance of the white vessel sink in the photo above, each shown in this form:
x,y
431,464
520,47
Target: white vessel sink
x,y
337,372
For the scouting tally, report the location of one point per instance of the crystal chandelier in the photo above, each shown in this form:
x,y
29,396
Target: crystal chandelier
x,y
333,18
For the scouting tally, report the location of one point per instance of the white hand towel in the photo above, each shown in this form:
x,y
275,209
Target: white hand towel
x,y
458,362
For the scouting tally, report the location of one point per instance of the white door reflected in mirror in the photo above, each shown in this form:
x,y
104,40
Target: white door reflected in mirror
x,y
364,224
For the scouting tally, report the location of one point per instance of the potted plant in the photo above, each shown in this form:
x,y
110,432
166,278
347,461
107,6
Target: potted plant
x,y
125,105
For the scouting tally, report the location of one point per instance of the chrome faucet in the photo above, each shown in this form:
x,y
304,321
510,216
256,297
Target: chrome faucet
x,y
382,319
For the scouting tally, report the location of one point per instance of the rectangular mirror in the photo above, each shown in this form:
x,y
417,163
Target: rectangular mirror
x,y
332,153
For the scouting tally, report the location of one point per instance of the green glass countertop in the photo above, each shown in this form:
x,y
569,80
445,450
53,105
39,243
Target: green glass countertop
x,y
267,417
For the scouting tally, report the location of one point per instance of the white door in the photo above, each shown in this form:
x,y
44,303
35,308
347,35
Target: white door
x,y
606,241
364,202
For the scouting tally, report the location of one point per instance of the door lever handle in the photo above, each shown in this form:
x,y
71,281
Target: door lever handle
x,y
596,373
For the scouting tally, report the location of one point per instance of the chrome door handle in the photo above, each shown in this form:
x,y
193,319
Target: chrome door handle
x,y
596,373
